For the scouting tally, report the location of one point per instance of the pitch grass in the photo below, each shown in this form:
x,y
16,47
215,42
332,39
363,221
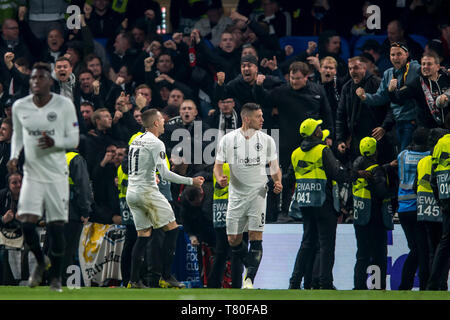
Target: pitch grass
x,y
43,293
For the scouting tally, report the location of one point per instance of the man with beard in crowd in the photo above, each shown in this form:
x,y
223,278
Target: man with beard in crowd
x,y
356,120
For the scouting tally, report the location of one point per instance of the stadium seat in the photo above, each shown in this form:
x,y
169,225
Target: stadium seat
x,y
102,41
380,38
301,43
359,43
419,39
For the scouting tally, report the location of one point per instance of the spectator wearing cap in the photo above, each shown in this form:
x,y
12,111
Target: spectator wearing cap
x,y
372,47
429,90
396,33
314,164
246,87
404,113
212,26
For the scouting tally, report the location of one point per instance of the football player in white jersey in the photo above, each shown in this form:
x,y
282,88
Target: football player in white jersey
x,y
247,150
149,207
45,125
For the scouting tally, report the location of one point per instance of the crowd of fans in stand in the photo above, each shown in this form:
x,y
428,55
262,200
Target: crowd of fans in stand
x,y
117,65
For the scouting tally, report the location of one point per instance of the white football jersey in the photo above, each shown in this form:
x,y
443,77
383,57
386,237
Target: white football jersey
x,y
58,119
146,155
247,159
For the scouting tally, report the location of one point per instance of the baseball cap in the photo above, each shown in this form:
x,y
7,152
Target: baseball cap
x,y
368,146
308,127
401,45
325,134
370,44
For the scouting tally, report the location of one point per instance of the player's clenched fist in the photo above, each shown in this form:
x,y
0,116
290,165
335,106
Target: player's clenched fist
x,y
392,85
277,187
198,181
223,181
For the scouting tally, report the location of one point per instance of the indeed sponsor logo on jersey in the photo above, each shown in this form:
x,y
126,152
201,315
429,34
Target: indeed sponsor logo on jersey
x,y
40,132
247,161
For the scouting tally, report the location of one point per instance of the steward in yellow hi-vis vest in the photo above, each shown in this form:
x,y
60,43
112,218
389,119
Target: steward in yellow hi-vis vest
x,y
362,191
372,215
80,200
441,170
427,207
440,183
315,169
220,200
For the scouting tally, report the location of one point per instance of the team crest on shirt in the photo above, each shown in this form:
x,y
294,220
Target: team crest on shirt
x,y
258,146
52,116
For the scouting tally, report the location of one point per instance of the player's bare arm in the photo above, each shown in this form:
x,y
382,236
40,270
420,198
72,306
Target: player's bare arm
x,y
275,173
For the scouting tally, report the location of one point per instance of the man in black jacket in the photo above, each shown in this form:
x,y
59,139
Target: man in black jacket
x,y
295,102
79,207
249,86
429,91
356,120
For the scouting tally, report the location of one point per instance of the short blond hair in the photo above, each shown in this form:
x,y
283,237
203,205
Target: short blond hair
x,y
329,59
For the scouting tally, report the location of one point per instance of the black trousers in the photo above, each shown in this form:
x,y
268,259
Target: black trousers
x,y
371,243
125,263
319,230
439,269
72,233
222,253
418,255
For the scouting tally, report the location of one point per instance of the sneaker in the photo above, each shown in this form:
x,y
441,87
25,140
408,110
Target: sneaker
x,y
38,272
248,284
136,285
55,285
171,282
